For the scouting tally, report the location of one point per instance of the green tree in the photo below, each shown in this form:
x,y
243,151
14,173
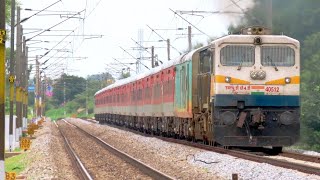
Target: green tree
x,y
71,85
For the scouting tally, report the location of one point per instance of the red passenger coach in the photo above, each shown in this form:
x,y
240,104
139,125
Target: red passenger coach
x,y
139,101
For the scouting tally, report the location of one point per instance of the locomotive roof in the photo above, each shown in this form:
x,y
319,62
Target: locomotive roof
x,y
265,39
181,59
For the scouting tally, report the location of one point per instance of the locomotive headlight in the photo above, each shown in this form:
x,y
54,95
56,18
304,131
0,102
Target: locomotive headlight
x,y
287,80
228,79
287,118
228,117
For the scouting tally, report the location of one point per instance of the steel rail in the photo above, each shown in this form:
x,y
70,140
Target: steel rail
x,y
75,159
236,153
153,173
252,157
299,156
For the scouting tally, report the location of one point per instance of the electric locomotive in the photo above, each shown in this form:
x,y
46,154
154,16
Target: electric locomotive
x,y
255,89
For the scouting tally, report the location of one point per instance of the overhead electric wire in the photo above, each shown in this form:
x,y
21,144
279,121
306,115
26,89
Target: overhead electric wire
x,y
164,39
56,45
189,22
39,11
244,12
123,64
52,26
134,58
144,49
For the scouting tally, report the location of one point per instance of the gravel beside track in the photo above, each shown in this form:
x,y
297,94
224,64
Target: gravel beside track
x,y
47,158
185,162
100,163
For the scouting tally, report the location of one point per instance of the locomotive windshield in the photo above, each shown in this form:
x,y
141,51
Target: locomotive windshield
x,y
237,55
277,56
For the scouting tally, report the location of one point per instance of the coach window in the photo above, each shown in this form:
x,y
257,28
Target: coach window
x,y
237,55
277,56
205,61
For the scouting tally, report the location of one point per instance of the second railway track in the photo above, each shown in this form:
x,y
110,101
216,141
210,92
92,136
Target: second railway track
x,y
102,160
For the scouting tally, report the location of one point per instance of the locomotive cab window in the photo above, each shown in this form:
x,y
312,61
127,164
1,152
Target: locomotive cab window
x,y
205,61
237,55
277,56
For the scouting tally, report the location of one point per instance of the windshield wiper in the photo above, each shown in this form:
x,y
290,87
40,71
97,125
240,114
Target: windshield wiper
x,y
240,65
272,63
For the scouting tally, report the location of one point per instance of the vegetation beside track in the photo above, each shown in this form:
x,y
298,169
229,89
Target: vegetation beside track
x,y
16,163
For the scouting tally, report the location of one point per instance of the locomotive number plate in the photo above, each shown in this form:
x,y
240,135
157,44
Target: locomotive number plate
x,y
273,90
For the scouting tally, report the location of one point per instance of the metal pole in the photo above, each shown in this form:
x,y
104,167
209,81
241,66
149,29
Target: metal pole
x,y
24,77
11,77
168,49
18,76
39,91
86,97
64,98
37,88
43,104
2,85
152,56
189,38
27,81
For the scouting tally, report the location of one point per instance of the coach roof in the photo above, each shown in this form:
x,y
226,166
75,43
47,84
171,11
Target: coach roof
x,y
178,60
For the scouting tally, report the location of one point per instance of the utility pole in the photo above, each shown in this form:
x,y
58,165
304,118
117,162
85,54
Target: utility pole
x,y
2,84
23,82
18,75
64,98
43,104
87,97
37,88
168,49
27,82
189,38
11,77
152,56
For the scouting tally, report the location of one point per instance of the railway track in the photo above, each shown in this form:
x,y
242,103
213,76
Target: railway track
x,y
143,168
249,156
82,171
302,157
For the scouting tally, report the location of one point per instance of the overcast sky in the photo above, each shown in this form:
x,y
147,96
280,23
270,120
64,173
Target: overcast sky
x,y
119,21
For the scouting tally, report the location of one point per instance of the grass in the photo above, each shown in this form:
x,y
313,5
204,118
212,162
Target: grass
x,y
56,113
15,164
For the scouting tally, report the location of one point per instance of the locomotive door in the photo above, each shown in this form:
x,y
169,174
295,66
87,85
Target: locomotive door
x,y
204,80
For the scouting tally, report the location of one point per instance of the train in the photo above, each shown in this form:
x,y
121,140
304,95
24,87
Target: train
x,y
241,90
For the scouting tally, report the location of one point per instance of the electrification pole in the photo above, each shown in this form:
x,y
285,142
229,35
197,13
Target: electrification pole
x,y
11,77
168,49
37,88
189,38
23,78
64,98
27,82
87,97
152,56
18,75
2,84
